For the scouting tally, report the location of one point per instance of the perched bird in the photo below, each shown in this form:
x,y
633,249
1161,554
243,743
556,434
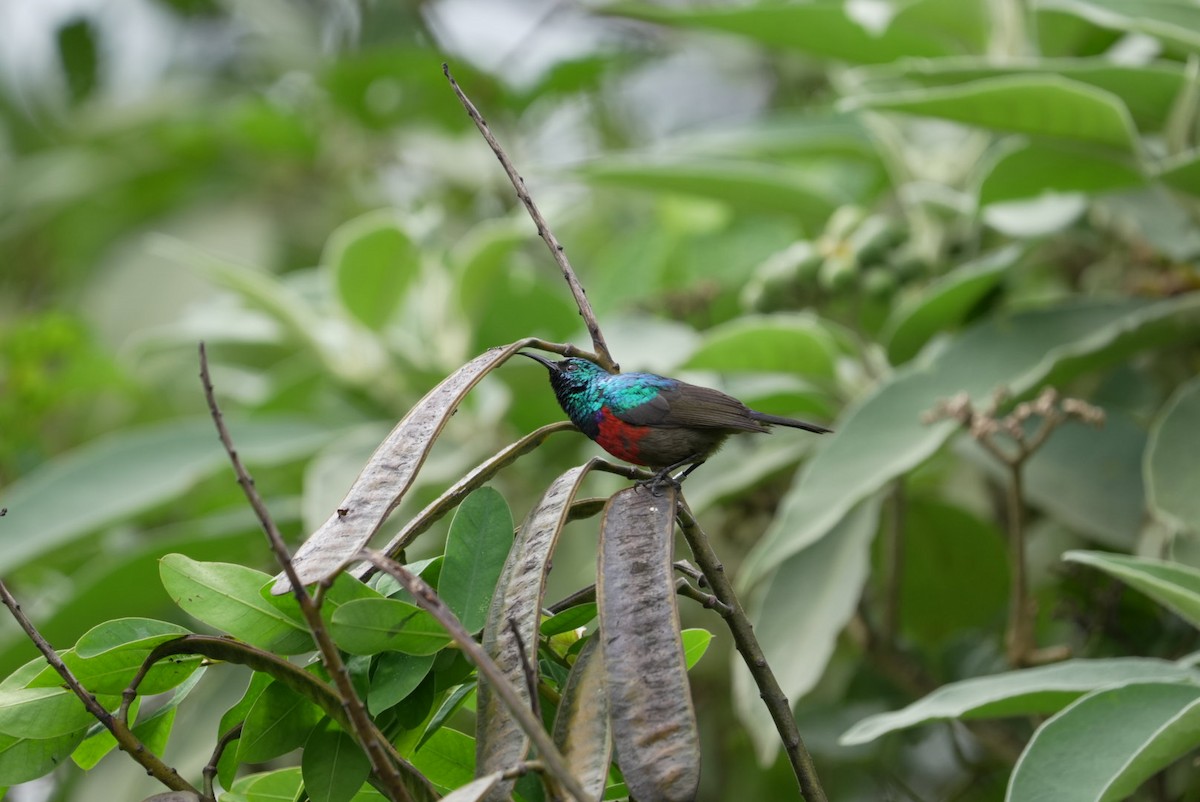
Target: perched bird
x,y
653,420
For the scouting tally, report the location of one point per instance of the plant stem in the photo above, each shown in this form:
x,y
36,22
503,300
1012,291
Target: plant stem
x,y
126,741
752,653
364,730
602,356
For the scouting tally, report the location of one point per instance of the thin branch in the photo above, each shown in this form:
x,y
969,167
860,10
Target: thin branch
x,y
210,770
428,600
752,653
707,600
126,740
602,356
364,730
528,667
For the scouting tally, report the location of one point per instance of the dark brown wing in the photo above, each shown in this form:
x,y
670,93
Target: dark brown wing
x,y
691,407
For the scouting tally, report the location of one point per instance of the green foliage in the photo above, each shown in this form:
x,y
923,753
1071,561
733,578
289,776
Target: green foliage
x,y
896,203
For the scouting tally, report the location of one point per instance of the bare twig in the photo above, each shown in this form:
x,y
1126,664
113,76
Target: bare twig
x,y
752,653
602,355
210,770
707,600
428,600
126,740
984,426
364,730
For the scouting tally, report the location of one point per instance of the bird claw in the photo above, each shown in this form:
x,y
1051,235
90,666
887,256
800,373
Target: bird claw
x,y
656,482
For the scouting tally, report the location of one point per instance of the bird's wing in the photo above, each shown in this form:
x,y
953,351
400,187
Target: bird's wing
x,y
691,406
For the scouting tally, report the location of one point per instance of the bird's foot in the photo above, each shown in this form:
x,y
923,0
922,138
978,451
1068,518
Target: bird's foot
x,y
658,481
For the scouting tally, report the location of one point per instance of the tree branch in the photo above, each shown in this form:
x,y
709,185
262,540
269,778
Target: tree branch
x,y
752,653
126,740
602,355
364,730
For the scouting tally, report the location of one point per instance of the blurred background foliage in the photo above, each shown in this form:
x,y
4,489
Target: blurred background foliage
x,y
836,210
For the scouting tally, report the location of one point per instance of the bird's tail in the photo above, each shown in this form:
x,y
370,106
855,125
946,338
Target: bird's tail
x,y
795,424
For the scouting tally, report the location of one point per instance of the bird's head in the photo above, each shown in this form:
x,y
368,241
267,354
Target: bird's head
x,y
570,375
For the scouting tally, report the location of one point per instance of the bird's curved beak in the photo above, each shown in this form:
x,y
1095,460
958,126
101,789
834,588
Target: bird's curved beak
x,y
551,366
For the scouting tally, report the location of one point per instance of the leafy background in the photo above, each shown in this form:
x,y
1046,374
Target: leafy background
x,y
837,210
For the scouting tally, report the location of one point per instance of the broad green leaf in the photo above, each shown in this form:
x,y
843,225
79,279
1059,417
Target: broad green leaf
x,y
799,615
821,28
153,731
112,671
42,713
127,633
396,675
333,766
25,759
99,742
753,186
1182,173
476,547
282,785
695,644
1177,23
227,597
883,436
1036,168
1102,747
1172,585
374,262
447,759
1041,105
119,476
279,721
228,764
461,696
955,575
1030,691
778,343
369,626
944,304
571,618
1148,90
1171,473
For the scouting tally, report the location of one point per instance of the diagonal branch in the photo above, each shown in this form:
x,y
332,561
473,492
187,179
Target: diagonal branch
x,y
602,356
126,740
364,730
752,653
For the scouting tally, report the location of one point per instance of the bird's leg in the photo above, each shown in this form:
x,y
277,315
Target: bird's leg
x,y
663,475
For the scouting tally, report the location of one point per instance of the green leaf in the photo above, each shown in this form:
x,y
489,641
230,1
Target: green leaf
x,y
1035,168
42,713
797,344
799,614
821,28
480,536
227,767
153,731
1102,747
1172,585
279,721
571,618
112,671
374,262
883,436
25,759
116,477
282,785
1170,466
955,574
396,675
1148,90
333,766
128,633
369,626
1177,23
1030,691
752,186
227,597
1041,105
1182,173
695,644
447,759
945,303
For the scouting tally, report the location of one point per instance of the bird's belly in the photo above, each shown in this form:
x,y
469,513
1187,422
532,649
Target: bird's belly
x,y
657,447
